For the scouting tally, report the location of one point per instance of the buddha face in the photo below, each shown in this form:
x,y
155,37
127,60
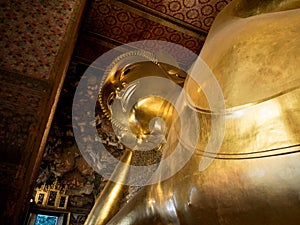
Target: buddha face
x,y
146,108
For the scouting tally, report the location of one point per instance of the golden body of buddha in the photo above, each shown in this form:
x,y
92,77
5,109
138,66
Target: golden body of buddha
x,y
253,49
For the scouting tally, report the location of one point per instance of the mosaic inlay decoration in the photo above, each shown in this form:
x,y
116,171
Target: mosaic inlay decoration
x,y
32,33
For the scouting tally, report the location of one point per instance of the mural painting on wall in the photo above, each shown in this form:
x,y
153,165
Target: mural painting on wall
x,y
62,160
77,218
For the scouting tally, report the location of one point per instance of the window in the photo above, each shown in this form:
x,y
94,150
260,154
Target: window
x,y
48,217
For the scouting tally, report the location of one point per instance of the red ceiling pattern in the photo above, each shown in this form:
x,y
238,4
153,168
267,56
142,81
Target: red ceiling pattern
x,y
32,34
123,26
199,13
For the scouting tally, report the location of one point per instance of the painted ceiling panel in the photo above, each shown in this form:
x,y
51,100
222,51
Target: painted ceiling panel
x,y
199,13
30,42
118,24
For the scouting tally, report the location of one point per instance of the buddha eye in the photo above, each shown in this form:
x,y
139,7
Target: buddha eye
x,y
126,71
111,99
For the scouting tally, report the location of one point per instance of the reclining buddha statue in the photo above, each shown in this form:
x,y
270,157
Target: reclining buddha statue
x,y
253,51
